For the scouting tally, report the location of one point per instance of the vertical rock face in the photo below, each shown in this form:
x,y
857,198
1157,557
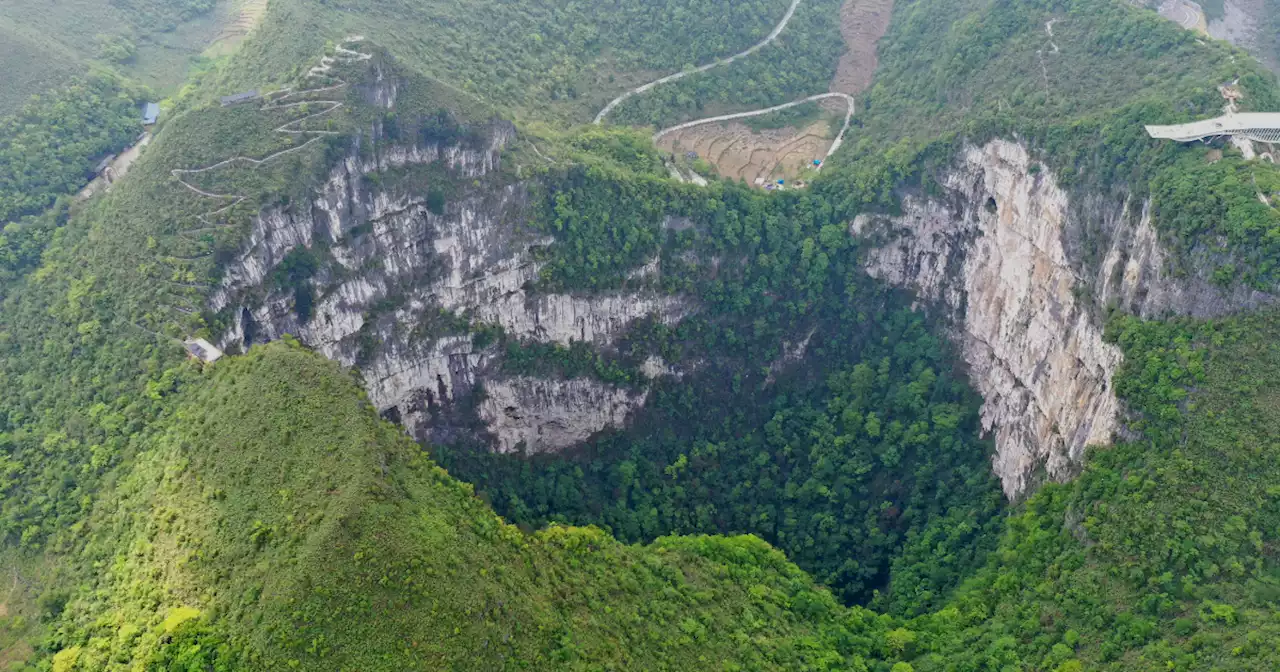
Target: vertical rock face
x,y
397,274
1244,24
1000,255
548,415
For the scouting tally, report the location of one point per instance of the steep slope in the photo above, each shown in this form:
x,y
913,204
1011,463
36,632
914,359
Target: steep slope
x,y
272,521
991,251
48,43
1162,553
558,62
1043,207
404,247
258,515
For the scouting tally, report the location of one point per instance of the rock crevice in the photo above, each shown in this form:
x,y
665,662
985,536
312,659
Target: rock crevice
x,y
398,277
998,254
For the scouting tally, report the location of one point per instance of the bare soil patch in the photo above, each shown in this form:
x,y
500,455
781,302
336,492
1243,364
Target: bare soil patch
x,y
758,158
862,23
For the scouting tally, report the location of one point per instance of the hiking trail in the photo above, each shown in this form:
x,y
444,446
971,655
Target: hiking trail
x,y
279,100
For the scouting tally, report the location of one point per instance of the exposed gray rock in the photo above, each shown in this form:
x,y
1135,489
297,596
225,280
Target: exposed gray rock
x,y
392,266
1003,256
549,415
1241,24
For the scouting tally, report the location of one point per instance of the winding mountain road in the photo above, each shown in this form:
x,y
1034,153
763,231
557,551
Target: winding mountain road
x,y
278,100
848,118
777,30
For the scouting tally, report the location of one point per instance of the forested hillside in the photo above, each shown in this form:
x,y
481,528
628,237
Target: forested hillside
x,y
808,483
556,62
51,43
48,148
1078,80
839,465
327,541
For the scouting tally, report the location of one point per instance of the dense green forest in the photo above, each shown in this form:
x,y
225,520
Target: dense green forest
x,y
842,467
799,63
329,543
555,61
1161,553
51,146
257,515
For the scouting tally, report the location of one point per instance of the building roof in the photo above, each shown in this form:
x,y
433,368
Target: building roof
x,y
150,113
202,350
239,97
105,163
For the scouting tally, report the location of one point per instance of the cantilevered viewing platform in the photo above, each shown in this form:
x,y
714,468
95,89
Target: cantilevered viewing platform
x,y
1259,126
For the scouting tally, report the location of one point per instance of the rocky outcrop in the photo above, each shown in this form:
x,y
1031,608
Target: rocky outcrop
x,y
1244,23
399,277
1004,256
539,415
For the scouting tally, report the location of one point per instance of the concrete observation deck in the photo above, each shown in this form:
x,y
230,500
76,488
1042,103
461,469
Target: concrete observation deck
x,y
1259,126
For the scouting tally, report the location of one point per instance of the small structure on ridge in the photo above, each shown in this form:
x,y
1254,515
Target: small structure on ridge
x,y
239,98
203,350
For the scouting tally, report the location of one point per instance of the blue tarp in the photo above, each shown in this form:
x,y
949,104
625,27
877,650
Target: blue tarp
x,y
150,113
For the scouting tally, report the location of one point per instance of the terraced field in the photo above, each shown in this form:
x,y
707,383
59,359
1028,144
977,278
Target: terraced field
x,y
757,158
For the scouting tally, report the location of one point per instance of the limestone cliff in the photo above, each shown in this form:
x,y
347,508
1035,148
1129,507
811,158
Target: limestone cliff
x,y
1006,255
400,277
1245,24
548,415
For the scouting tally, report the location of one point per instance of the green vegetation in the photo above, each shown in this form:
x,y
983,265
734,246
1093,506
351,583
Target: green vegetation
x,y
256,515
50,148
50,43
956,66
1160,553
841,464
801,62
952,73
803,466
552,61
162,15
271,521
1213,9
30,68
1223,209
94,301
798,116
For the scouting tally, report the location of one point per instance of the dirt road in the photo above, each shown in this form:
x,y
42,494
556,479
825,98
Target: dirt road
x,y
777,30
848,117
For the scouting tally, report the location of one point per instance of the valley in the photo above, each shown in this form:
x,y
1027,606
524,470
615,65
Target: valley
x,y
771,335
